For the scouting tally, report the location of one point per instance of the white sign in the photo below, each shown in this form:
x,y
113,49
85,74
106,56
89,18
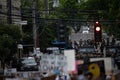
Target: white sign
x,y
70,54
20,46
21,22
50,62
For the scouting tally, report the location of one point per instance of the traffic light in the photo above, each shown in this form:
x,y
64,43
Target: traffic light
x,y
61,32
97,32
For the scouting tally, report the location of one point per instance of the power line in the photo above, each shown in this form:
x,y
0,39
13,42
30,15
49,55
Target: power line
x,y
55,19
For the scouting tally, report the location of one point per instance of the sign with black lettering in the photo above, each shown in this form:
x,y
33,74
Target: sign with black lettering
x,y
50,62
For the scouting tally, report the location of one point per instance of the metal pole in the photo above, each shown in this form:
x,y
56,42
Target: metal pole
x,y
34,23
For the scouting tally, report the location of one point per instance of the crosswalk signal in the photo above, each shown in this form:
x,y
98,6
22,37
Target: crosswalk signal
x,y
97,32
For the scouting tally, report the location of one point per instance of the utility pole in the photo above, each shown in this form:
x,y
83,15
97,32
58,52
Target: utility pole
x,y
34,2
46,6
9,12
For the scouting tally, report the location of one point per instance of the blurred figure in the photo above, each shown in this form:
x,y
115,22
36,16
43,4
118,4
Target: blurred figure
x,y
75,44
109,76
57,71
108,42
80,42
81,75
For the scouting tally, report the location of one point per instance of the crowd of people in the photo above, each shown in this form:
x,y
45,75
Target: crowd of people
x,y
99,46
90,42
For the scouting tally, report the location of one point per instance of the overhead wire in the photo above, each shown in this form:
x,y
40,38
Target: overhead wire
x,y
55,19
23,10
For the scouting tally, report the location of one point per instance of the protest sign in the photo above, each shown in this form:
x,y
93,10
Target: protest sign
x,y
70,54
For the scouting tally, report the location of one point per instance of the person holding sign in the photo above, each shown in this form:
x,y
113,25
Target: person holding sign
x,y
57,71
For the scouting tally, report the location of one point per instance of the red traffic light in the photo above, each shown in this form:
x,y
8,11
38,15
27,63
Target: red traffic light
x,y
97,32
96,22
98,28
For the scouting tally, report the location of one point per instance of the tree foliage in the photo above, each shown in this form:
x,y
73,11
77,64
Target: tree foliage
x,y
9,35
45,30
71,9
105,10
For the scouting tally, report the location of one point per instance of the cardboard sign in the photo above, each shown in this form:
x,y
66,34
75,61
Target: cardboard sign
x,y
50,62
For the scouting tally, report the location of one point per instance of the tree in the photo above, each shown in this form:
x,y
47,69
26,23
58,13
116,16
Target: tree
x,y
9,35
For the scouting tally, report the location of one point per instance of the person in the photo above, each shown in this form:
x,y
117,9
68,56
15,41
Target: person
x,y
57,78
110,75
81,75
57,71
80,42
86,59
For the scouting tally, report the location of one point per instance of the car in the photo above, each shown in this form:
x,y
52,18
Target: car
x,y
111,49
29,64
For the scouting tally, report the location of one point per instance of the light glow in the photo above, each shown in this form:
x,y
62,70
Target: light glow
x,y
97,29
96,22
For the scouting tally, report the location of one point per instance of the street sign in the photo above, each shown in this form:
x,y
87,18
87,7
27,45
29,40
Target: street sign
x,y
20,46
21,22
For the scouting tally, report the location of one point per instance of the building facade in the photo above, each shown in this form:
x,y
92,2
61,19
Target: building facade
x,y
10,11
